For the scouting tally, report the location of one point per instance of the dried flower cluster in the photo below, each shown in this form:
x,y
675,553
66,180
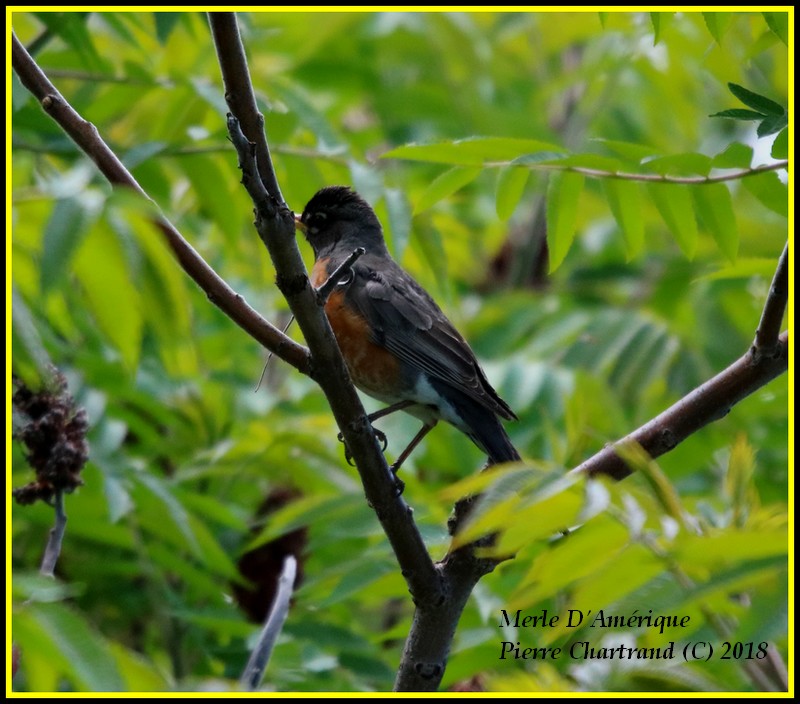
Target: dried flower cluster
x,y
53,431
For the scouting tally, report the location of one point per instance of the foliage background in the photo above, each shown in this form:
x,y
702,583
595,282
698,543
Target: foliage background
x,y
184,451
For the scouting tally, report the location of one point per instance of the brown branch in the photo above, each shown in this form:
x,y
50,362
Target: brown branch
x,y
766,359
645,178
85,135
664,178
766,342
707,403
240,96
275,225
273,624
56,537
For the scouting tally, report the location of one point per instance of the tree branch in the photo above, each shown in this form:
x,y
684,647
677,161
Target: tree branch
x,y
767,358
707,403
85,135
766,342
53,549
646,178
276,227
259,658
239,93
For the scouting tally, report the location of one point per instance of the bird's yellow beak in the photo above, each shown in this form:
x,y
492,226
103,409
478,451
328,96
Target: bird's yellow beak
x,y
299,224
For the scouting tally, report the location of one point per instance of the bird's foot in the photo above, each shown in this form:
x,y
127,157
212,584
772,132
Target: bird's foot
x,y
378,434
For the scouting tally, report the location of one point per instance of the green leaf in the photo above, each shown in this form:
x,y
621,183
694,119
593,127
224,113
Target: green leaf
x,y
63,233
212,190
444,185
475,151
674,203
778,22
562,212
510,186
172,508
689,164
770,190
735,156
625,200
165,23
398,220
72,28
113,298
630,151
659,20
772,124
141,674
26,341
717,24
756,101
743,268
85,652
780,147
714,205
710,551
739,114
739,479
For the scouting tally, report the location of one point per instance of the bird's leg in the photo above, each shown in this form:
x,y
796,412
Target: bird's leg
x,y
399,406
424,430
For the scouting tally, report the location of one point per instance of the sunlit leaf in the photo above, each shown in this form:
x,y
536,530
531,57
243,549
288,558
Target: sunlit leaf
x,y
770,191
714,205
563,192
735,155
780,147
717,23
89,663
444,185
113,298
674,203
476,151
778,22
510,187
625,200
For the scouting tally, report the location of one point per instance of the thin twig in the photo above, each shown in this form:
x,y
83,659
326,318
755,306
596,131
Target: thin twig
x,y
647,178
257,664
338,276
53,549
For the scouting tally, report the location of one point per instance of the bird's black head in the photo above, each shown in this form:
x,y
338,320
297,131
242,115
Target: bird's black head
x,y
337,214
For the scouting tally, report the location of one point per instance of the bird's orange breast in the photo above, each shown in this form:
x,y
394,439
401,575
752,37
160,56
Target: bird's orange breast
x,y
373,368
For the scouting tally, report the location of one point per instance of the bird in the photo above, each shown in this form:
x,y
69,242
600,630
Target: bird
x,y
398,345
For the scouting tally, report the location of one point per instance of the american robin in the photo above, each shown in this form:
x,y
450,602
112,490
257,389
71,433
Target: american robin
x,y
398,345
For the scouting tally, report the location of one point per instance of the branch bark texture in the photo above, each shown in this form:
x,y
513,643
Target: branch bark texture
x,y
275,226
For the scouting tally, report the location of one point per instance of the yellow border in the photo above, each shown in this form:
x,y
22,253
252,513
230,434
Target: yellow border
x,y
356,695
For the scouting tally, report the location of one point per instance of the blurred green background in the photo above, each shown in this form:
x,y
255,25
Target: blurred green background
x,y
586,346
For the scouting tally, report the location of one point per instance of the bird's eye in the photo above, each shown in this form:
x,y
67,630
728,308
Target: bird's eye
x,y
315,221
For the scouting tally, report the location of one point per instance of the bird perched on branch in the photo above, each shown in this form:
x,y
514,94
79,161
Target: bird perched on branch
x,y
398,345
